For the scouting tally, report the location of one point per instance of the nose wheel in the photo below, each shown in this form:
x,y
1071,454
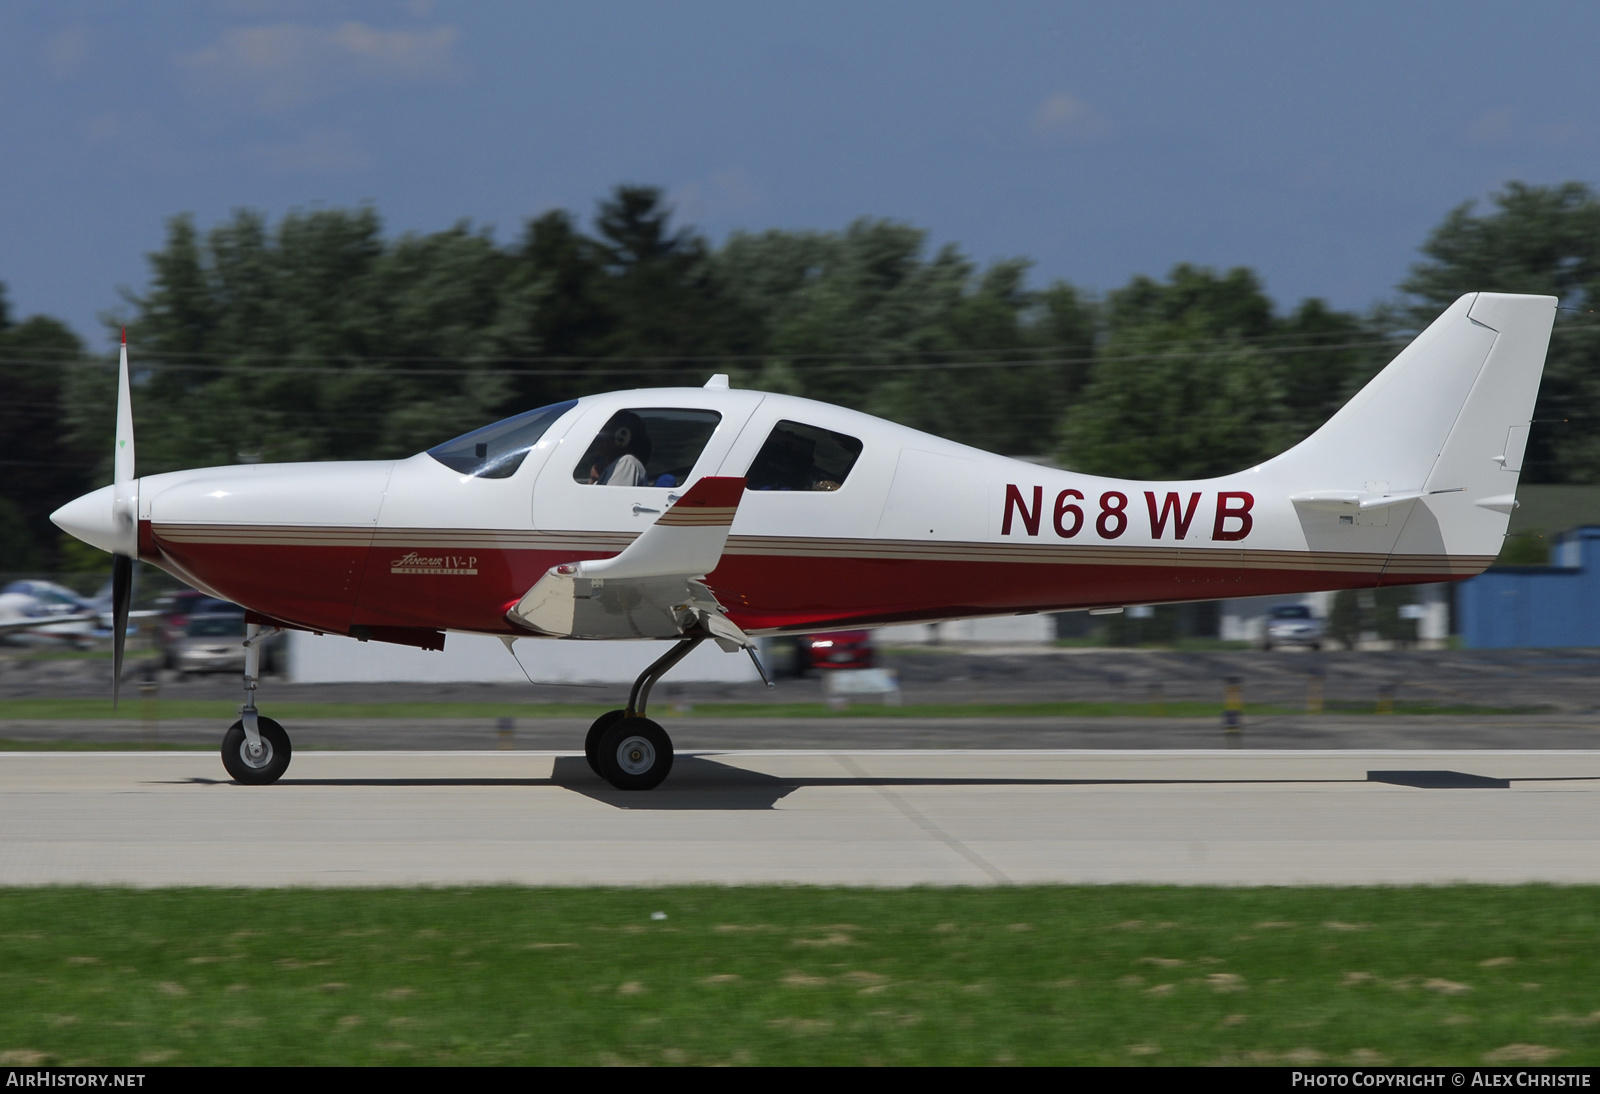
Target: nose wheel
x,y
259,762
255,750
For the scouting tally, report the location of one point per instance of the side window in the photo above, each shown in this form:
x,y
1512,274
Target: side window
x,y
648,447
802,457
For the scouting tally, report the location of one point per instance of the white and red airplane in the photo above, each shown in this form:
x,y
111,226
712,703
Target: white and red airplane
x,y
696,514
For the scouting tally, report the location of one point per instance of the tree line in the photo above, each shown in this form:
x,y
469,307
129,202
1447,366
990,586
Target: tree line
x,y
319,337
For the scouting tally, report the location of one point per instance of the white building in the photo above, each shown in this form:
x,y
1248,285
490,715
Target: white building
x,y
1000,630
473,658
1245,619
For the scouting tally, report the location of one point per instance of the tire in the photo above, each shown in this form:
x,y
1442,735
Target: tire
x,y
634,754
591,743
238,763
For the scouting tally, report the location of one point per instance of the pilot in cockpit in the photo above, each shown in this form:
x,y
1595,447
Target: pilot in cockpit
x,y
619,454
788,462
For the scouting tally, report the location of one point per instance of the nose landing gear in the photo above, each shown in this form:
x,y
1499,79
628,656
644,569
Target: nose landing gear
x,y
255,750
263,760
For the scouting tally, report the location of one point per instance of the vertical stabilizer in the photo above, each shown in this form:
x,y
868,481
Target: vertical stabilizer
x,y
1438,435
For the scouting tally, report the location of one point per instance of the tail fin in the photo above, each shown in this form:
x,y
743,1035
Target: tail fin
x,y
1446,421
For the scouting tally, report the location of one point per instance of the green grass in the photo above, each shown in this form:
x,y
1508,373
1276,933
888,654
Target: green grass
x,y
68,655
9,744
1203,644
215,709
1108,975
1196,644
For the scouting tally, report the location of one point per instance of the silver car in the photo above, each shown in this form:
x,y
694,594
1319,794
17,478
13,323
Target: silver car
x,y
1292,625
210,643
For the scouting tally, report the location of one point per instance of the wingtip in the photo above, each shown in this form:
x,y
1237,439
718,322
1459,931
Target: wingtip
x,y
713,492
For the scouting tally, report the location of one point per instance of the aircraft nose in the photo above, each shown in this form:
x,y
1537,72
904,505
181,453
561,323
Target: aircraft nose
x,y
90,518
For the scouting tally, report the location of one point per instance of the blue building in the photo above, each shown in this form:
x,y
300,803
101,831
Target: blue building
x,y
1554,605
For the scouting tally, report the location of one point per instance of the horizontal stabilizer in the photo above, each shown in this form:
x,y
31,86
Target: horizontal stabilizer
x,y
1352,501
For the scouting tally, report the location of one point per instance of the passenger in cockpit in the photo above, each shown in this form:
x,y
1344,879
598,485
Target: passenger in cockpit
x,y
619,454
787,462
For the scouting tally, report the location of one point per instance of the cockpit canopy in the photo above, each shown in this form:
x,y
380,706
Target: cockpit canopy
x,y
496,451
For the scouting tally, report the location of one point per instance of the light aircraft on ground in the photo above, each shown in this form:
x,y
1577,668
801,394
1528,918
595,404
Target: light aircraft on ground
x,y
35,611
717,514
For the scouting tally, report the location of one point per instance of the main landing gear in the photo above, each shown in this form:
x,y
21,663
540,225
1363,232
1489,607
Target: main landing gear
x,y
255,750
625,748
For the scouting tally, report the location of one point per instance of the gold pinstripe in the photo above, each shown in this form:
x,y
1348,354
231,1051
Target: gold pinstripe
x,y
1053,554
709,516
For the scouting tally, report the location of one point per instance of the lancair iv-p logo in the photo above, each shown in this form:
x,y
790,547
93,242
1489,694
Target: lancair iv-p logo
x,y
435,565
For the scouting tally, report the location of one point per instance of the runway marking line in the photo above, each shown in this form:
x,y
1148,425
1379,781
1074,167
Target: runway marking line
x,y
916,817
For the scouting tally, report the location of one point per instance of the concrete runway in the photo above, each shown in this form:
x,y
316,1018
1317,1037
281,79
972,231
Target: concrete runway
x,y
968,817
693,733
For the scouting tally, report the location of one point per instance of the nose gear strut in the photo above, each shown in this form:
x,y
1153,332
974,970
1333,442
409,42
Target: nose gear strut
x,y
255,750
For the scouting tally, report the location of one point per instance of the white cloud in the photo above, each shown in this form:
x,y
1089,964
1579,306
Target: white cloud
x,y
1064,116
1506,126
1494,126
280,68
319,152
104,126
719,194
65,53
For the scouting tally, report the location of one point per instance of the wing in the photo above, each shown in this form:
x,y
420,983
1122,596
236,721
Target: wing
x,y
654,588
47,624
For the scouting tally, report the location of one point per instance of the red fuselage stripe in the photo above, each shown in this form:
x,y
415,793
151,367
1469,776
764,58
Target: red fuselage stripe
x,y
323,578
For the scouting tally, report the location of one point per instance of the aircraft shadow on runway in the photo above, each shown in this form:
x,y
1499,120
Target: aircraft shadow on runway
x,y
701,782
1438,780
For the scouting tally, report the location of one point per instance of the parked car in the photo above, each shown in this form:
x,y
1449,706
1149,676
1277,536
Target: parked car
x,y
802,654
838,650
1292,625
176,611
213,642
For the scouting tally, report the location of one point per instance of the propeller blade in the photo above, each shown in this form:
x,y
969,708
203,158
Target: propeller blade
x,y
121,597
122,462
125,517
124,484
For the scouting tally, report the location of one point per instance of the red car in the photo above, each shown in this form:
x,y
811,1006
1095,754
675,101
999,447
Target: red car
x,y
837,650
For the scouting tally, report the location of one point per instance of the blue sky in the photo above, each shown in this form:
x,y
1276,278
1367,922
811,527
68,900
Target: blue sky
x,y
1315,143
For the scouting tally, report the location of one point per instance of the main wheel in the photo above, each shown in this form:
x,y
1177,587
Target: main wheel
x,y
256,770
591,743
634,754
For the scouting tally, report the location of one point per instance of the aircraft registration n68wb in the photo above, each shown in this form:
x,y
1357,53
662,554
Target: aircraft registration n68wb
x,y
696,514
